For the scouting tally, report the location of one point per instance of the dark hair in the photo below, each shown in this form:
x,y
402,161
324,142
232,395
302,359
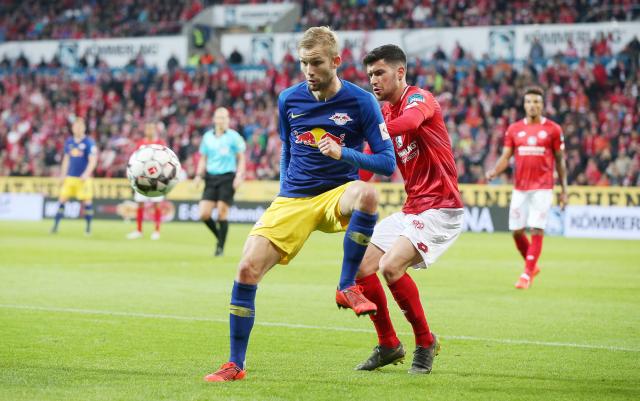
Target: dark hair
x,y
388,53
534,90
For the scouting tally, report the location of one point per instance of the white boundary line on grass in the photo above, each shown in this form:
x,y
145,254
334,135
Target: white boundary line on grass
x,y
307,327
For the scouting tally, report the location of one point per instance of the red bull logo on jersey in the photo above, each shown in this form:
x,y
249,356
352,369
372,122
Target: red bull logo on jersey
x,y
340,118
313,137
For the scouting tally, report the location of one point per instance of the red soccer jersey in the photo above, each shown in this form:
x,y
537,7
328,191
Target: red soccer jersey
x,y
145,141
423,152
533,147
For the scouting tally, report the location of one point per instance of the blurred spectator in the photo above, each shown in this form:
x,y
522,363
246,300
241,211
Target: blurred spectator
x,y
537,51
74,19
595,101
235,57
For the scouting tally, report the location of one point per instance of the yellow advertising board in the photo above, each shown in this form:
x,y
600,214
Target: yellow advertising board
x,y
392,195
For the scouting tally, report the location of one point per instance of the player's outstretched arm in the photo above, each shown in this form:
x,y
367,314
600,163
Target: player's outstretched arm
x,y
501,164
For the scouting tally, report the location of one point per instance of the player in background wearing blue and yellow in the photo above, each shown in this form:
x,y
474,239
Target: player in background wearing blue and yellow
x,y
324,122
80,158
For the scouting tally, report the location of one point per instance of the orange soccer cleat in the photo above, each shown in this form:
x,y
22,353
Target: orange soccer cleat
x,y
352,298
525,280
227,372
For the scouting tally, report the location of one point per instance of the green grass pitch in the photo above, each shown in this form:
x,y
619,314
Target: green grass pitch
x,y
103,318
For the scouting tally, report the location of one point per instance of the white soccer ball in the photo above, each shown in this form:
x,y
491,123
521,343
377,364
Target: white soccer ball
x,y
153,170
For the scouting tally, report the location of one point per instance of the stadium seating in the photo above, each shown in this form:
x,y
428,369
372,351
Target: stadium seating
x,y
596,106
37,19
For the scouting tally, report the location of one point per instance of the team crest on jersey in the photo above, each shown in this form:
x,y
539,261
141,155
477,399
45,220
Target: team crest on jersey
x,y
521,134
340,118
532,140
416,97
542,134
81,146
398,140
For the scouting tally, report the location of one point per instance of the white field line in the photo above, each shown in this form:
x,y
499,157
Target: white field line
x,y
309,327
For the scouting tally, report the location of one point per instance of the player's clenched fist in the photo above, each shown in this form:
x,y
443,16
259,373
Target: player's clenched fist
x,y
329,147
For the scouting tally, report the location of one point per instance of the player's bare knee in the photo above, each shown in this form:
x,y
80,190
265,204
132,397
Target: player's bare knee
x,y
390,270
366,269
249,272
204,215
367,199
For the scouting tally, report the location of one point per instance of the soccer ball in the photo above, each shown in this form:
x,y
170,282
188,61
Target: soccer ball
x,y
153,170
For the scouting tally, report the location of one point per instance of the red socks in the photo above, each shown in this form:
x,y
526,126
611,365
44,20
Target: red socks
x,y
157,215
522,243
406,295
372,289
533,254
139,215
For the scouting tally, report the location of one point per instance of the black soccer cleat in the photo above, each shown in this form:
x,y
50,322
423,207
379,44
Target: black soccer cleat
x,y
219,251
423,358
383,356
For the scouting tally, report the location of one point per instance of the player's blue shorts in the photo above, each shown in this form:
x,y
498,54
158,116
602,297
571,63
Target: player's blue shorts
x,y
288,222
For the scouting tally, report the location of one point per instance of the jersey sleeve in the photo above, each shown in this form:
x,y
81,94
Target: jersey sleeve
x,y
382,160
425,104
557,139
92,149
508,137
202,149
67,147
239,144
284,130
283,122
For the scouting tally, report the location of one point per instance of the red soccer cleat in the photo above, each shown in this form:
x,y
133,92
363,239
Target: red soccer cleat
x,y
227,372
352,298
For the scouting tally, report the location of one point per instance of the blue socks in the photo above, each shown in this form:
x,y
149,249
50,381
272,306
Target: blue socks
x,y
355,243
88,215
58,217
241,318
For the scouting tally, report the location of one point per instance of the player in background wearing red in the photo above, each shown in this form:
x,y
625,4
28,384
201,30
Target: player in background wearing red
x,y
150,138
535,142
431,218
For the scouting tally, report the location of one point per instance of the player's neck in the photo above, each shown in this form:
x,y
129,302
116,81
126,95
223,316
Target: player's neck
x,y
329,92
534,120
219,131
397,95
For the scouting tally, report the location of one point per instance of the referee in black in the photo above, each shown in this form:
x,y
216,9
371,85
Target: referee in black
x,y
222,166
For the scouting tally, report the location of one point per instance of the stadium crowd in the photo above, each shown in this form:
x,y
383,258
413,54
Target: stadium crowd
x,y
74,19
595,100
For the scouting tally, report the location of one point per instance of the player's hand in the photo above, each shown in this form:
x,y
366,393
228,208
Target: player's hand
x,y
490,174
562,200
329,148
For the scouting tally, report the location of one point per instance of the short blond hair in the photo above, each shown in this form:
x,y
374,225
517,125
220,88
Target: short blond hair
x,y
320,35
